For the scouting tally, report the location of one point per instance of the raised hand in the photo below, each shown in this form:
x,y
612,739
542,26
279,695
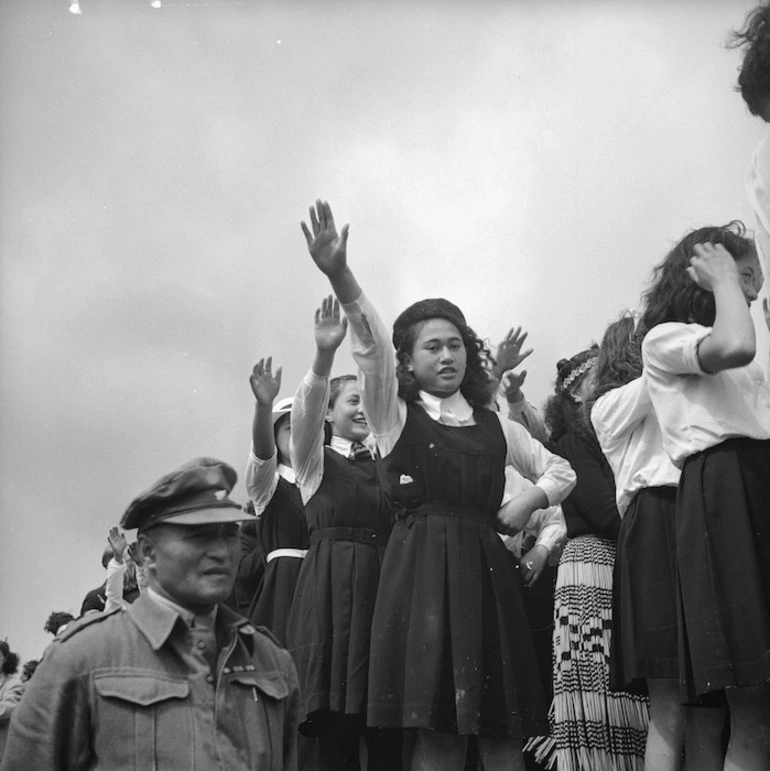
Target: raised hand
x,y
328,250
712,264
118,543
509,354
511,384
264,384
330,325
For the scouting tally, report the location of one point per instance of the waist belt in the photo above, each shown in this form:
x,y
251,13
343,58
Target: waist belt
x,y
464,512
357,534
297,553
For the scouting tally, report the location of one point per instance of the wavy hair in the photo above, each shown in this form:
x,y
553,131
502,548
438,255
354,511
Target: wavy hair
x,y
56,620
754,76
619,360
477,386
562,412
11,663
673,295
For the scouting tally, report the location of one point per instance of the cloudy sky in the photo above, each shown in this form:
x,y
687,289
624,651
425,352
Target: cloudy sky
x,y
531,161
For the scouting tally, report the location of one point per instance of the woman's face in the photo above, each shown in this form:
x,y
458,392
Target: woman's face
x,y
438,359
346,417
283,439
750,274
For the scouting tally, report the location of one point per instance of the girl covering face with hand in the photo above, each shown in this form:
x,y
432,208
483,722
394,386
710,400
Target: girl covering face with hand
x,y
713,405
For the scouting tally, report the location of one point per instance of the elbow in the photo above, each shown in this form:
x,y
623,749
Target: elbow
x,y
732,357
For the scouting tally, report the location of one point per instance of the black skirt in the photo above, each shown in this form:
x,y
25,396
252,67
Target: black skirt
x,y
644,599
723,561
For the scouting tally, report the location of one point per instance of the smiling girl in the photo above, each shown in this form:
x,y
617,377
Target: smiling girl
x,y
349,520
451,653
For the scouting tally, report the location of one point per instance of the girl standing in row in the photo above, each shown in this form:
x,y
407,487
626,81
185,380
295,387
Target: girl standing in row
x,y
644,653
349,521
713,405
271,485
593,727
451,652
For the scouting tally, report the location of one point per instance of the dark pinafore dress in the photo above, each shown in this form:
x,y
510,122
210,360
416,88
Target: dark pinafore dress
x,y
451,647
349,520
283,526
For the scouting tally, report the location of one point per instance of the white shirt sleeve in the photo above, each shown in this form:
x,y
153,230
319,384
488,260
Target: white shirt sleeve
x,y
114,587
373,352
618,412
261,480
672,348
308,413
551,473
524,413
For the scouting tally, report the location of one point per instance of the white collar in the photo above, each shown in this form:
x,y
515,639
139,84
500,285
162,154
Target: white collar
x,y
287,472
190,618
454,405
342,446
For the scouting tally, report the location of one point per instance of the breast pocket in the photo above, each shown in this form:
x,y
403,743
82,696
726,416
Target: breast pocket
x,y
253,703
143,720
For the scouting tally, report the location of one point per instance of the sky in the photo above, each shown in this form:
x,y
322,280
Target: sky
x,y
530,161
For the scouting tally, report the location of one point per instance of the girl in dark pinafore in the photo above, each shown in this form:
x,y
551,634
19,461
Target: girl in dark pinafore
x,y
271,485
349,520
452,654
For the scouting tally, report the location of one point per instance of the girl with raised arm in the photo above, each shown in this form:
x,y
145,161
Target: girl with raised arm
x,y
272,487
713,405
349,520
451,651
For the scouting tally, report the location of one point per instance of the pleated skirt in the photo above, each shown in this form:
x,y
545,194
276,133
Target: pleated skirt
x,y
592,727
451,647
723,559
644,598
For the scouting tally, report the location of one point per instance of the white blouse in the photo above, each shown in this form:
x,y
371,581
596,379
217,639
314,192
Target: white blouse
x,y
698,410
630,437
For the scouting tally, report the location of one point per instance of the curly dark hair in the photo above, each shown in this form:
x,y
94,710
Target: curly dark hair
x,y
619,360
477,386
754,77
11,663
673,295
56,620
562,412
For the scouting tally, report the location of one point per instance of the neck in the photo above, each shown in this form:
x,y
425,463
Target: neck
x,y
195,609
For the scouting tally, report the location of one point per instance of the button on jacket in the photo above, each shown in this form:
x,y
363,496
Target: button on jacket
x,y
133,690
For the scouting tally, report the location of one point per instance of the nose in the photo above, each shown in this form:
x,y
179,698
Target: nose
x,y
447,354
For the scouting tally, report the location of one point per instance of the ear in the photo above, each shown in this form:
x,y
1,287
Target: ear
x,y
408,363
146,549
329,418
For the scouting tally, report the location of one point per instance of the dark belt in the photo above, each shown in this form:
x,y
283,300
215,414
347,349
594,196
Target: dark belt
x,y
465,512
357,534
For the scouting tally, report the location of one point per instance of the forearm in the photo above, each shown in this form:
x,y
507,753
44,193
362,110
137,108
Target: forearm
x,y
323,361
262,438
525,414
345,286
732,342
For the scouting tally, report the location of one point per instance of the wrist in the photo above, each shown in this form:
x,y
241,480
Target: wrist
x,y
515,397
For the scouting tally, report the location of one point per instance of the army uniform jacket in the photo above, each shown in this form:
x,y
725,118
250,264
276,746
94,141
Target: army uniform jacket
x,y
130,690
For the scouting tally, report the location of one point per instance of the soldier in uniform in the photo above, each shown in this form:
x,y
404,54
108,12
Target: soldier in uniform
x,y
177,681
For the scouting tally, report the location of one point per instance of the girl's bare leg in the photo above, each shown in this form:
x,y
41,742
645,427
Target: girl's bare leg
x,y
749,747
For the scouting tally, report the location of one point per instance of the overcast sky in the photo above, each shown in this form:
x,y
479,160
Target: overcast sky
x,y
530,161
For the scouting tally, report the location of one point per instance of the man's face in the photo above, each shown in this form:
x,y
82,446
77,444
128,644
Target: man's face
x,y
193,565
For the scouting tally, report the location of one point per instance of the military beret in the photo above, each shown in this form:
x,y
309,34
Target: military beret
x,y
432,308
194,494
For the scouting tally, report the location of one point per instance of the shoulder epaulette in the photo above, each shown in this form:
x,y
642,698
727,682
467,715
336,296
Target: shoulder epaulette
x,y
85,621
266,632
